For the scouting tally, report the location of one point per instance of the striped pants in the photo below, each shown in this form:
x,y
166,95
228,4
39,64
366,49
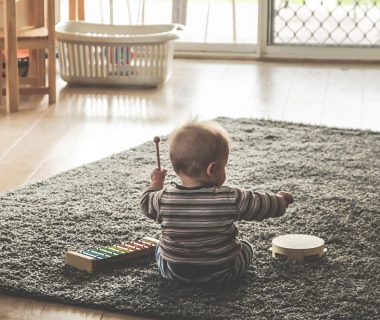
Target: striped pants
x,y
232,272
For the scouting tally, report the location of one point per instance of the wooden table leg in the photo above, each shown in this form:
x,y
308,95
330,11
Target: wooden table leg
x,y
12,87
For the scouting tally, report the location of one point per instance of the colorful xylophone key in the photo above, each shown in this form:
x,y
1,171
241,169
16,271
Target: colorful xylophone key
x,y
92,259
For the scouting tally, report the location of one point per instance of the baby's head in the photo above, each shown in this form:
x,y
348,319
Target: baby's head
x,y
199,151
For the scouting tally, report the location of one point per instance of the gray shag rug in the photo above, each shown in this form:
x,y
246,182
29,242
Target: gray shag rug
x,y
334,175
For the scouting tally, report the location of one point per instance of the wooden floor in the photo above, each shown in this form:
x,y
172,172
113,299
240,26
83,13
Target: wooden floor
x,y
87,124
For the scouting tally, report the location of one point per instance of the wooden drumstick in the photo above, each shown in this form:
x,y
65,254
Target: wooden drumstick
x,y
157,140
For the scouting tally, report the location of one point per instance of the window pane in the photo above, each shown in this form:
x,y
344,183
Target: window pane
x,y
223,21
247,21
158,11
208,21
326,22
97,11
139,11
129,11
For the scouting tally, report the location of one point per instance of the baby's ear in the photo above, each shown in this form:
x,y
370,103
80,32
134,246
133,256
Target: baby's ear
x,y
211,169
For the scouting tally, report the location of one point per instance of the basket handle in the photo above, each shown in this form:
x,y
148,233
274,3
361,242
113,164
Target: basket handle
x,y
177,30
66,31
179,27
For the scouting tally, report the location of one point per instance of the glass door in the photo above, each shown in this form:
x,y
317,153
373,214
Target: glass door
x,y
331,29
306,29
218,26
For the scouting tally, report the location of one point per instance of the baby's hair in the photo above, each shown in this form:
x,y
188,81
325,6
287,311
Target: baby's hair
x,y
197,144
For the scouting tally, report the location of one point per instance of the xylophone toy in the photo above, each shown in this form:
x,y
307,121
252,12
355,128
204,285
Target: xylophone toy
x,y
91,260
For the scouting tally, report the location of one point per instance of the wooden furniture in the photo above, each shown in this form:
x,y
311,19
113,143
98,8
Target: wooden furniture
x,y
76,10
39,38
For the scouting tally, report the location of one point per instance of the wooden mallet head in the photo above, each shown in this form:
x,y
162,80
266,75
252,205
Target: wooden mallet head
x,y
157,141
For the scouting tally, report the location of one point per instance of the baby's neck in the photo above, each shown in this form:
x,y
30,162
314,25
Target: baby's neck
x,y
189,182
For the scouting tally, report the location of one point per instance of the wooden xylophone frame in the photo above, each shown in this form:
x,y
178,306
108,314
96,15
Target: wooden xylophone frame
x,y
91,260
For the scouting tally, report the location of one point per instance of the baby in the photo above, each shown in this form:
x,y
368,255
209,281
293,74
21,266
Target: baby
x,y
199,241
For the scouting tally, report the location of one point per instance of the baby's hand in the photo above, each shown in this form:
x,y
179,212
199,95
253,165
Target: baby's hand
x,y
158,178
287,196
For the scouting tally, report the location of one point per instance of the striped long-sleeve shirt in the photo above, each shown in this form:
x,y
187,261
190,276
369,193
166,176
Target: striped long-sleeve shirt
x,y
197,224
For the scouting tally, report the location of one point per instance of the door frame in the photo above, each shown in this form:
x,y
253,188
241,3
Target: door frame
x,y
264,49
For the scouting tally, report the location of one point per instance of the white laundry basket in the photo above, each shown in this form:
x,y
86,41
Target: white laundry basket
x,y
114,54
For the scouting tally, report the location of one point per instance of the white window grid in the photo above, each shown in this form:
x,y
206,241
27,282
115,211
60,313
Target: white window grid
x,y
325,23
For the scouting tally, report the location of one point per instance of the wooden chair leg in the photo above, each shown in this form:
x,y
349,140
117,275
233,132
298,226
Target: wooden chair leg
x,y
81,10
32,70
72,9
51,52
1,77
12,87
76,10
41,62
52,74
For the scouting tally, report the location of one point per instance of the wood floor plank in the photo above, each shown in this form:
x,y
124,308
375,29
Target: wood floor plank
x,y
89,123
12,308
117,316
30,151
15,127
53,311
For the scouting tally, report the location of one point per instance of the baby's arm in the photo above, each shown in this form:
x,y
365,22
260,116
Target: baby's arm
x,y
158,179
150,199
261,205
288,197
